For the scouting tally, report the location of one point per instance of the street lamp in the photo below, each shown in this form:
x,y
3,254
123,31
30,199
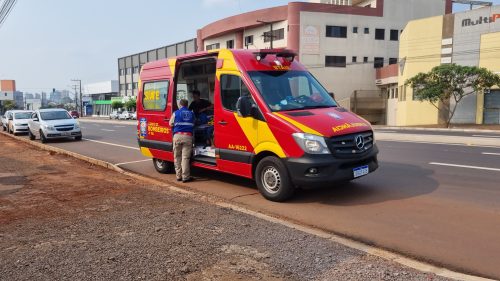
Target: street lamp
x,y
271,35
80,103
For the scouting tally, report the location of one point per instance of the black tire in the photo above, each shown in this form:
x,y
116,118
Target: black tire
x,y
4,128
32,137
163,167
79,138
42,137
273,179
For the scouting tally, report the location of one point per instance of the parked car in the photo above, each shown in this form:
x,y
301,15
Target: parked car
x,y
134,116
18,121
5,120
74,114
125,115
114,115
53,123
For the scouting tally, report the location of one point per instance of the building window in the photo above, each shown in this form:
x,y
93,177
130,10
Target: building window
x,y
212,46
378,62
134,85
278,34
135,69
365,59
155,95
335,61
129,70
129,86
394,35
393,60
355,29
230,44
354,59
379,34
122,87
336,31
122,71
249,40
367,30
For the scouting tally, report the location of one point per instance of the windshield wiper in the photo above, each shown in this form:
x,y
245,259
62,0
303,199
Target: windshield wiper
x,y
311,107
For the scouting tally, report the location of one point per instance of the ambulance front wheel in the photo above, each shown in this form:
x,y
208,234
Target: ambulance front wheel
x,y
162,166
273,180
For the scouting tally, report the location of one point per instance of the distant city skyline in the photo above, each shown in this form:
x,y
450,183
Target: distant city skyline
x,y
51,42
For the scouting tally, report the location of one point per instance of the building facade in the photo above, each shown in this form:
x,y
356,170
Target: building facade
x,y
7,89
98,97
341,42
129,66
469,38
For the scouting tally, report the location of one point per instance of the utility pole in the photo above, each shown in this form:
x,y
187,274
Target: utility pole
x,y
271,35
81,102
75,87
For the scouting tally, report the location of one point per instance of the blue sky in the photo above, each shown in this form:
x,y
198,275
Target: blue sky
x,y
45,44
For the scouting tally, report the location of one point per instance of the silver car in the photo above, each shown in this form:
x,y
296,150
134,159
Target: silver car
x,y
5,120
53,123
18,121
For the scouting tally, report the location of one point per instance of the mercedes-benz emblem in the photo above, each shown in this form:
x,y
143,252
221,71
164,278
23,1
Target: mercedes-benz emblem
x,y
359,141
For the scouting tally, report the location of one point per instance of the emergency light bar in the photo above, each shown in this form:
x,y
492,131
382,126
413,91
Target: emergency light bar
x,y
287,55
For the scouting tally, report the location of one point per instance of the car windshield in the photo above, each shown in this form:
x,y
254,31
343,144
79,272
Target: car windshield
x,y
54,115
22,115
291,90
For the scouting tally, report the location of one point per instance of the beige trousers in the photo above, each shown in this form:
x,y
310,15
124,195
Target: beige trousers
x,y
183,146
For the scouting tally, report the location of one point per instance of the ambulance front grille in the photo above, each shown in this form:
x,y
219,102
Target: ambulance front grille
x,y
349,145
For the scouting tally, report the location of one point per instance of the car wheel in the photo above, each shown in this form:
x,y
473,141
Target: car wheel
x,y
273,180
162,166
42,137
79,138
32,137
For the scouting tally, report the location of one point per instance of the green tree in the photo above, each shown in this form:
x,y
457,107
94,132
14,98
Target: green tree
x,y
117,105
131,104
451,81
9,105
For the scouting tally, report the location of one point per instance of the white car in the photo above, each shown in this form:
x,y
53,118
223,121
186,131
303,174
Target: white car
x,y
125,115
53,123
5,120
18,121
134,116
114,115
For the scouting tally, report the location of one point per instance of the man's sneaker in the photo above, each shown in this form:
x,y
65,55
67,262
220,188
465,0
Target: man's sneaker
x,y
188,179
179,179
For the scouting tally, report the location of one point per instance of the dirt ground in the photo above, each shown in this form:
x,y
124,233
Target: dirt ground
x,y
61,218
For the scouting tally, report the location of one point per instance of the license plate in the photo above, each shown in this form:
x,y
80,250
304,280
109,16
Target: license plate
x,y
360,171
66,133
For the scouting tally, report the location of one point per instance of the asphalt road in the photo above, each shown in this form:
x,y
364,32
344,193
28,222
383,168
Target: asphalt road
x,y
438,203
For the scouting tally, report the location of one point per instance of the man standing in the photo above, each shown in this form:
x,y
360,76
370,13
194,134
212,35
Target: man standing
x,y
182,122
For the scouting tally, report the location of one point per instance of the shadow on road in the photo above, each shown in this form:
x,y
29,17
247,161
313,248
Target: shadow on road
x,y
392,181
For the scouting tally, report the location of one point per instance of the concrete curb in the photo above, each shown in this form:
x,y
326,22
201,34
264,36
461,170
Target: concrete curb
x,y
458,130
374,251
438,139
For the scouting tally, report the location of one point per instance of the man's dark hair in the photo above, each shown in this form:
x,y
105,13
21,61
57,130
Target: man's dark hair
x,y
196,92
183,102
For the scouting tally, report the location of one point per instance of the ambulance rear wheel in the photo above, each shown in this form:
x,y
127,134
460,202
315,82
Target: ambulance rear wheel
x,y
273,179
162,166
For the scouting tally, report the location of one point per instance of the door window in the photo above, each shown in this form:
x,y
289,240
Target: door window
x,y
155,95
232,88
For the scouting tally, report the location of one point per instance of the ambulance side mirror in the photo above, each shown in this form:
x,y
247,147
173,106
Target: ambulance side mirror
x,y
332,95
244,106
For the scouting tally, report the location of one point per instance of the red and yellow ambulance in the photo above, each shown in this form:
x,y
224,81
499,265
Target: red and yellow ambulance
x,y
272,121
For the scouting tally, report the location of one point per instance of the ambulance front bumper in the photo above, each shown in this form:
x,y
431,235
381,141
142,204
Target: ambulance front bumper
x,y
314,170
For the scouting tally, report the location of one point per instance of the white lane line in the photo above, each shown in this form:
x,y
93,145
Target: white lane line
x,y
490,153
486,136
107,130
465,166
119,126
377,131
131,162
442,143
113,144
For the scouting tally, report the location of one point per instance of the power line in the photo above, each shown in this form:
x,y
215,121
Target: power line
x,y
5,10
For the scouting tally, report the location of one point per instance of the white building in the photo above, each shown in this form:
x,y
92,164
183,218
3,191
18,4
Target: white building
x,y
342,42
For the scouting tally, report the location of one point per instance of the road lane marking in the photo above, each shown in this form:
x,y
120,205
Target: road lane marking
x,y
83,127
377,131
442,143
490,153
119,126
486,136
465,166
107,130
131,162
113,144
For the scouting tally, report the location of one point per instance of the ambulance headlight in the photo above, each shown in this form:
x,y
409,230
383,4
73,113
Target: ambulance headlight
x,y
311,143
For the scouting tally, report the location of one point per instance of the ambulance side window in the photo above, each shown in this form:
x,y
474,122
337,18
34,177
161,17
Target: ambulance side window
x,y
232,88
154,95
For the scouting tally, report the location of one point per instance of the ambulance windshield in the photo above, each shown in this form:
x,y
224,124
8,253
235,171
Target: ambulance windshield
x,y
291,90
